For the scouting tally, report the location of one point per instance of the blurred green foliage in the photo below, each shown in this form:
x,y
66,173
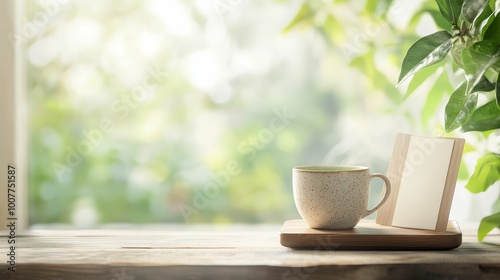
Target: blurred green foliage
x,y
139,109
101,152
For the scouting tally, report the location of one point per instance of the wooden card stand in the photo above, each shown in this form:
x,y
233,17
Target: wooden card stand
x,y
368,235
423,173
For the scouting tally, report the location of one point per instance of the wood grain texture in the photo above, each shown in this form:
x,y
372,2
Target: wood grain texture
x,y
395,173
229,252
451,181
368,235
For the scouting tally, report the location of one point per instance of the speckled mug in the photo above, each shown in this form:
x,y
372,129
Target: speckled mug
x,y
334,197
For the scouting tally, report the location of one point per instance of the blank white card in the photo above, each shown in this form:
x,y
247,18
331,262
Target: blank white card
x,y
422,182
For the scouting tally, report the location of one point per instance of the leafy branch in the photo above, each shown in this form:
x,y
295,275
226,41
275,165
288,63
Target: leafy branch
x,y
473,40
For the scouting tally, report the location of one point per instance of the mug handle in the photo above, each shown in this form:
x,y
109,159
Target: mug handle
x,y
386,195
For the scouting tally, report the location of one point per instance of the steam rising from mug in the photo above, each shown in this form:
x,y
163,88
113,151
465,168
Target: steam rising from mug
x,y
365,140
347,153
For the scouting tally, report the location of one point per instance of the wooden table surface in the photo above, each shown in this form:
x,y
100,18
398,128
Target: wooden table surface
x,y
228,252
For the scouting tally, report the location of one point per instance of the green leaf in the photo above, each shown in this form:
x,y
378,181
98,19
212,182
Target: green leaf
x,y
435,96
456,55
459,108
420,77
488,224
484,85
450,9
305,13
493,33
439,20
377,8
378,80
486,173
485,47
498,91
426,51
473,8
485,24
333,31
477,60
484,118
483,18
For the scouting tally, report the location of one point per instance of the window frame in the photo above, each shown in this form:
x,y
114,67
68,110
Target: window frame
x,y
13,116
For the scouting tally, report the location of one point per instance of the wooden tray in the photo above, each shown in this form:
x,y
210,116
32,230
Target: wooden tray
x,y
368,235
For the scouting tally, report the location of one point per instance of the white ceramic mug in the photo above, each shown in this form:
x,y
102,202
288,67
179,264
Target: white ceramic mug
x,y
334,197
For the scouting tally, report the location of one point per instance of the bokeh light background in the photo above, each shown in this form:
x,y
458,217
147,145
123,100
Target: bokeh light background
x,y
135,105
